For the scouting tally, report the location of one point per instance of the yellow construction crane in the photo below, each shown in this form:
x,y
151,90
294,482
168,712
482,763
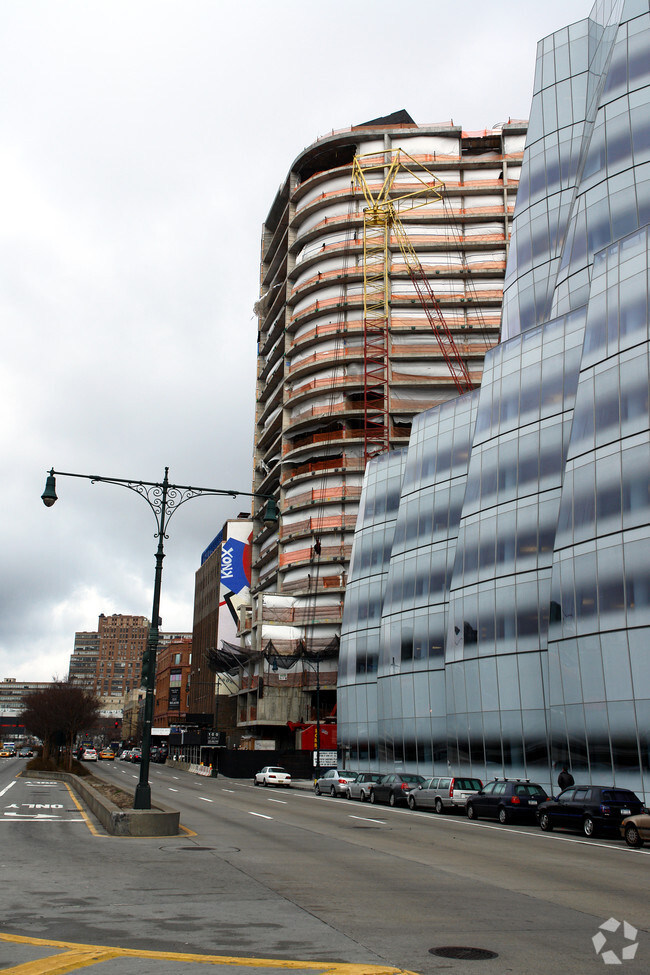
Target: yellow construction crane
x,y
381,222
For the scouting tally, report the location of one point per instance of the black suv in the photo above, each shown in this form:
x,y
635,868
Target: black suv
x,y
589,808
506,799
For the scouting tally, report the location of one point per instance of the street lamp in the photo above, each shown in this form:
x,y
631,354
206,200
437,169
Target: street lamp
x,y
164,499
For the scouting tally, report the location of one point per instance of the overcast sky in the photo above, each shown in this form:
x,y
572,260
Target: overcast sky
x,y
141,146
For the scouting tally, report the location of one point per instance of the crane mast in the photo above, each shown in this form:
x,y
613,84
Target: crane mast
x,y
381,223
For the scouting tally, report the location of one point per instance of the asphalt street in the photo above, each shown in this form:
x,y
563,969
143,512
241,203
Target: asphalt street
x,y
298,879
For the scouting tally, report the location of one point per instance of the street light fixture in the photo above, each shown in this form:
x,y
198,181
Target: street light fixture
x,y
164,499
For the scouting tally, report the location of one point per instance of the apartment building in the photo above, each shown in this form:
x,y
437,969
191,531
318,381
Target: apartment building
x,y
108,661
313,387
84,659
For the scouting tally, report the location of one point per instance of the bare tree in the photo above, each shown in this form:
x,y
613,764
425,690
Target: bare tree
x,y
57,714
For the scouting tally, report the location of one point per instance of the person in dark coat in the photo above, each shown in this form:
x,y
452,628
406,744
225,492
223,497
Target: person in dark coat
x,y
565,779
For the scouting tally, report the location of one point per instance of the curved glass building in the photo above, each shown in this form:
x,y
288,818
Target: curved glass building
x,y
515,618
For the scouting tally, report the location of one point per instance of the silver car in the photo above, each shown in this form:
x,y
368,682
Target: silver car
x,y
334,782
444,792
361,787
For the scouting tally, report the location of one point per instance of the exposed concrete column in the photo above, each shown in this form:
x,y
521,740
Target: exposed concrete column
x,y
505,196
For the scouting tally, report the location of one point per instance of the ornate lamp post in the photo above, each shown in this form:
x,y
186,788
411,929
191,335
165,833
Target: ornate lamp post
x,y
164,499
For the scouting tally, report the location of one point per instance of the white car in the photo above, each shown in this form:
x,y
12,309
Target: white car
x,y
272,775
89,755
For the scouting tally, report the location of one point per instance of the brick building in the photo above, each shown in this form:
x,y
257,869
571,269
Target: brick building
x,y
109,661
172,683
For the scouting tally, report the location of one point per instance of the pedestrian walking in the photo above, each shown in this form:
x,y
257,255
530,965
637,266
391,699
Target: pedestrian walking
x,y
565,779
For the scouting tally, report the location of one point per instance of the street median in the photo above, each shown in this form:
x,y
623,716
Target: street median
x,y
158,821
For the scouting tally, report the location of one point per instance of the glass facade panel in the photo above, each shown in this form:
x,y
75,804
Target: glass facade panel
x,y
512,611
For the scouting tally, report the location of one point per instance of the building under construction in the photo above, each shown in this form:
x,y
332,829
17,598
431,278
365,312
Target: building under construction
x,y
382,271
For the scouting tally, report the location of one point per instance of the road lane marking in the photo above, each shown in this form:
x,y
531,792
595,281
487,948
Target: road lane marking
x,y
564,839
172,789
7,787
366,819
206,800
13,813
49,816
37,819
261,815
77,956
540,834
228,790
282,802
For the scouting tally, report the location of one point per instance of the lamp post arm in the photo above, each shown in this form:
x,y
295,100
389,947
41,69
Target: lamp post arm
x,y
153,492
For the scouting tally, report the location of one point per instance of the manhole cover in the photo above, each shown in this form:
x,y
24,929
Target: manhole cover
x,y
192,849
462,951
201,849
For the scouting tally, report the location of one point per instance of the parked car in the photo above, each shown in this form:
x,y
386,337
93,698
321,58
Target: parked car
x,y
506,799
89,755
334,782
444,792
394,787
361,787
636,829
273,775
589,809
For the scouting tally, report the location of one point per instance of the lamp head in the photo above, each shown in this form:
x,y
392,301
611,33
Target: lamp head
x,y
271,514
48,497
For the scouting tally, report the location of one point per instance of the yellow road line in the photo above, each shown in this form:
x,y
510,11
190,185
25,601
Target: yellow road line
x,y
83,813
79,956
69,961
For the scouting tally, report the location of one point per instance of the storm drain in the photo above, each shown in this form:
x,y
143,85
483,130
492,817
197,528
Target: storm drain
x,y
462,951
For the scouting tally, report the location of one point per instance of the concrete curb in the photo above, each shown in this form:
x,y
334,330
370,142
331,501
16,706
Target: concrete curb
x,y
157,821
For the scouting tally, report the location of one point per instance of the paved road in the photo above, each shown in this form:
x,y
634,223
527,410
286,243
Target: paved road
x,y
287,875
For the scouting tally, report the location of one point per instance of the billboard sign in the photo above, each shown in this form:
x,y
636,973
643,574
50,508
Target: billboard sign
x,y
235,577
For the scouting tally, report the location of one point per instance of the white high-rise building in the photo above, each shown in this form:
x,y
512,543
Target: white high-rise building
x,y
311,439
